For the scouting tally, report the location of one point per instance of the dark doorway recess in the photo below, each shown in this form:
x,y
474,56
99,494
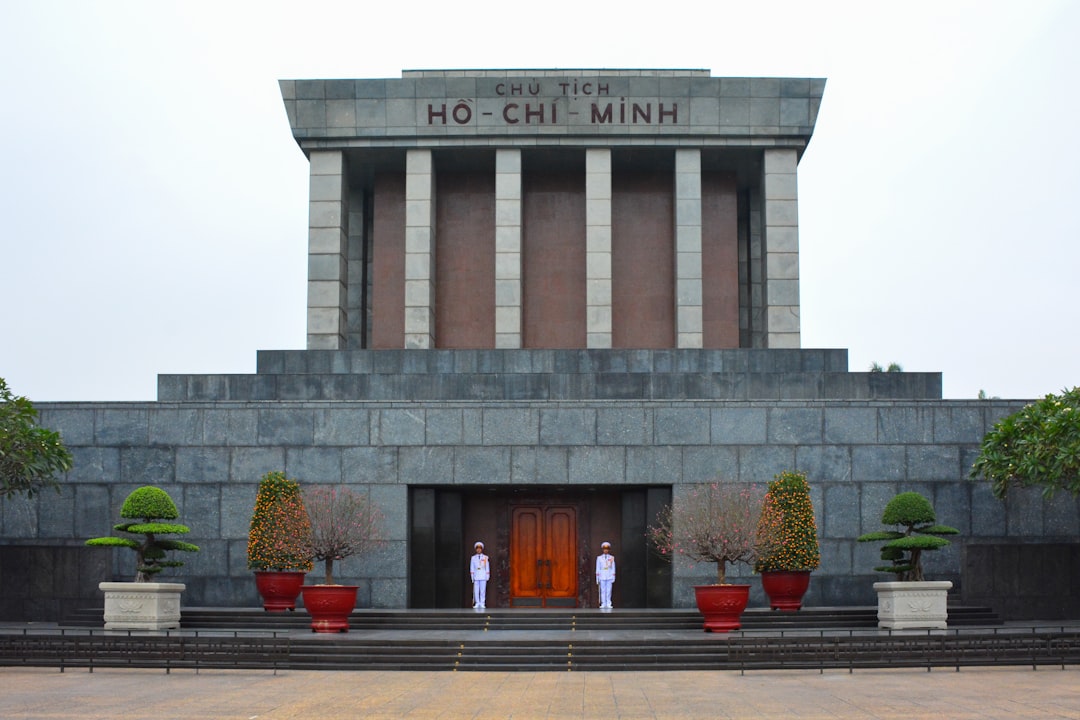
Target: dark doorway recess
x,y
542,540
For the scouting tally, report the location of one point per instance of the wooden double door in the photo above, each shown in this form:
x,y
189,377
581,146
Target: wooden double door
x,y
543,559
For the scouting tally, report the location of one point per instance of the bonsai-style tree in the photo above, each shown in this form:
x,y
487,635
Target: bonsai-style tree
x,y
718,522
280,534
797,546
145,508
1039,445
30,456
343,523
918,532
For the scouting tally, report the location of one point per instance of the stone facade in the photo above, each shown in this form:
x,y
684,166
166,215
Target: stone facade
x,y
570,289
445,152
211,437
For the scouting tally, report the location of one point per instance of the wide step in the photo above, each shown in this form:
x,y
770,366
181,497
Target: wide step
x,y
543,620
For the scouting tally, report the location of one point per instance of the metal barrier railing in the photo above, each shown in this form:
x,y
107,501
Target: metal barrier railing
x,y
168,649
880,648
821,649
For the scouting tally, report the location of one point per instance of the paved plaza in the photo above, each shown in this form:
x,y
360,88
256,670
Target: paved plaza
x,y
978,693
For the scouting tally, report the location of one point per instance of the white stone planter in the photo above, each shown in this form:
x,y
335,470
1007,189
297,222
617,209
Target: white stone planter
x,y
911,605
142,606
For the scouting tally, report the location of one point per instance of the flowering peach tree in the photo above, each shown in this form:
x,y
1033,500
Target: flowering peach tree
x,y
343,523
717,522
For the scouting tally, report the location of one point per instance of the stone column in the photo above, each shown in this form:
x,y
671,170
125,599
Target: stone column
x,y
328,238
688,281
598,247
781,209
508,291
419,250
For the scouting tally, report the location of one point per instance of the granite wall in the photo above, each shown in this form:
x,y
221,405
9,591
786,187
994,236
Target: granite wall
x,y
209,454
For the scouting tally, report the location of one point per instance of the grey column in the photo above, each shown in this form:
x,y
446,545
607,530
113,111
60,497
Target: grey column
x,y
508,291
598,247
781,210
419,250
688,275
327,251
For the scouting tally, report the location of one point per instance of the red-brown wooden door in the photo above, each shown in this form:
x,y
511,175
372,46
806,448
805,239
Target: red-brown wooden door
x,y
543,565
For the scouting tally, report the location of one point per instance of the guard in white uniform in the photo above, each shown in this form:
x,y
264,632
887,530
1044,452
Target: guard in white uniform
x,y
479,571
605,574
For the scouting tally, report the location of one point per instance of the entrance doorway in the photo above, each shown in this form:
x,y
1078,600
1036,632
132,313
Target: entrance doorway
x,y
543,557
542,541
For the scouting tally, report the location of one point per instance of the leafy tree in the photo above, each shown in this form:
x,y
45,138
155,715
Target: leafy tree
x,y
1039,445
30,456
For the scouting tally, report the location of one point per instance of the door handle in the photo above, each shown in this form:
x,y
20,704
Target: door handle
x,y
539,574
548,563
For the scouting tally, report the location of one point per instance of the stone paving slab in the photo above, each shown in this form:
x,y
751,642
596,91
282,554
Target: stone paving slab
x,y
980,693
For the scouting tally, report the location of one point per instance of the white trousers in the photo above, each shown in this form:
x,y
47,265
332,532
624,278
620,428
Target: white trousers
x,y
479,593
605,592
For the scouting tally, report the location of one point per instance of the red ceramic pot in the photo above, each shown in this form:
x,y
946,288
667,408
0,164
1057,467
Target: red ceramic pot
x,y
329,606
722,605
279,588
785,588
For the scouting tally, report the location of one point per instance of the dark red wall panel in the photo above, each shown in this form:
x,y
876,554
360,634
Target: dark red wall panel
x,y
642,263
465,259
554,258
720,260
388,263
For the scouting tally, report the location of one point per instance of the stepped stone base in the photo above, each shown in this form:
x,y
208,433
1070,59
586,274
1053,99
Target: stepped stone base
x,y
429,375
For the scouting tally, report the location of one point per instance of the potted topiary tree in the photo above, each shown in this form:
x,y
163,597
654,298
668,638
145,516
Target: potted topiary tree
x,y
910,601
344,523
785,568
719,523
144,604
278,542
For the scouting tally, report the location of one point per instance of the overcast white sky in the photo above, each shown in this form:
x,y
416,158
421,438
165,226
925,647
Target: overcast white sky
x,y
153,204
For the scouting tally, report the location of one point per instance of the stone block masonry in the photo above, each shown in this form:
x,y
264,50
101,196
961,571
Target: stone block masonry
x,y
209,455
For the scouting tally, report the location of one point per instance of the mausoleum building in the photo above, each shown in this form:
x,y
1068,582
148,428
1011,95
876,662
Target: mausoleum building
x,y
541,305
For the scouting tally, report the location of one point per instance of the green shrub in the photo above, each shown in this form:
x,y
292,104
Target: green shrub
x,y
918,533
145,508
